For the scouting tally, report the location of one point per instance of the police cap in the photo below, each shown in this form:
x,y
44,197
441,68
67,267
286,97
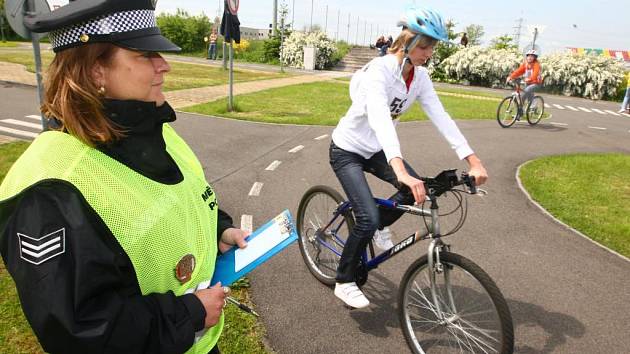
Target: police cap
x,y
127,23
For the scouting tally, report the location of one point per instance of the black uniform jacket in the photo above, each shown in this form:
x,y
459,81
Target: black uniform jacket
x,y
87,299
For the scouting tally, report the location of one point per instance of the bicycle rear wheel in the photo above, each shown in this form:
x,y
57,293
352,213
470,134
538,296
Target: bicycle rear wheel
x,y
476,318
321,246
535,110
507,113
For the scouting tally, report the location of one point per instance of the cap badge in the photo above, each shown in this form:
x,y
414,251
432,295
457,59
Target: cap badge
x,y
84,38
185,268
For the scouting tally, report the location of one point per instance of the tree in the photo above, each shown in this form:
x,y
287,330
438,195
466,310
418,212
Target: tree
x,y
503,42
474,32
271,47
184,30
443,50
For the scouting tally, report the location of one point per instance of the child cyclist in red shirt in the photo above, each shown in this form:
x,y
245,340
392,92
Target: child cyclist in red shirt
x,y
530,70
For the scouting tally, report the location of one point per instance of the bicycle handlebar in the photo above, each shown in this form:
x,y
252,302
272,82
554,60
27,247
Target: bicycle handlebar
x,y
447,180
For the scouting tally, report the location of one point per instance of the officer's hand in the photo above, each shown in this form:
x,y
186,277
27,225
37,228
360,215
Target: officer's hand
x,y
231,237
213,300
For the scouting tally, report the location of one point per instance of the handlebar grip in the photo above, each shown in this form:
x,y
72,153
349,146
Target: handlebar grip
x,y
470,182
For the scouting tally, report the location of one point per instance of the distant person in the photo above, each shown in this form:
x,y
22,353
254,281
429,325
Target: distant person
x,y
380,42
212,47
387,45
625,105
531,73
464,40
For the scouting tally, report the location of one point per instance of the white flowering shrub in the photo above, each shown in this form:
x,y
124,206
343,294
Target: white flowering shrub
x,y
293,49
589,76
482,66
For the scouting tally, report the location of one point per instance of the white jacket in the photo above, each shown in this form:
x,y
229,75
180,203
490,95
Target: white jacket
x,y
379,95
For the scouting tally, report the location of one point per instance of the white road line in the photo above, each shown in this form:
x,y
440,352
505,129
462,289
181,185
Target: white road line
x,y
571,108
547,105
625,114
558,106
33,116
255,191
555,123
584,109
598,111
247,223
598,128
24,124
322,137
272,166
296,149
611,112
18,132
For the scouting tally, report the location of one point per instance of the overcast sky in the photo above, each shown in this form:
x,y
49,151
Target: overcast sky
x,y
564,23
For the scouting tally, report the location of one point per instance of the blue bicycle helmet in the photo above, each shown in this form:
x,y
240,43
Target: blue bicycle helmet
x,y
424,21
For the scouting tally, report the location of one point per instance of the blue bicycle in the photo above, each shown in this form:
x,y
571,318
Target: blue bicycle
x,y
446,303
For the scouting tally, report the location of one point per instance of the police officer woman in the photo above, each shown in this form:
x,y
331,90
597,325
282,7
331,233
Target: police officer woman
x,y
107,224
365,140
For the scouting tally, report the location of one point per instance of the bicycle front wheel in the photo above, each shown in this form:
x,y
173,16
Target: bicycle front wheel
x,y
535,110
474,316
321,235
507,113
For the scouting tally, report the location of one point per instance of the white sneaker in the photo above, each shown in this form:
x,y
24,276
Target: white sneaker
x,y
383,239
621,111
351,295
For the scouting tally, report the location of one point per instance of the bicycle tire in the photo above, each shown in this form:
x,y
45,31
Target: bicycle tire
x,y
507,112
466,325
535,114
321,261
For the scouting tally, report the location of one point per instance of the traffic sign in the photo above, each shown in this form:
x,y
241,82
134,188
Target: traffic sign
x,y
15,12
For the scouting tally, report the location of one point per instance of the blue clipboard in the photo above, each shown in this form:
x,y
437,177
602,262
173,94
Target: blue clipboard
x,y
225,268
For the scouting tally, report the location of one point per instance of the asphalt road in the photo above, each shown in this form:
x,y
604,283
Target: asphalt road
x,y
566,294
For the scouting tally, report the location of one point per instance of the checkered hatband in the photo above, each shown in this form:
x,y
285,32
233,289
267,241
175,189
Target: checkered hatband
x,y
119,22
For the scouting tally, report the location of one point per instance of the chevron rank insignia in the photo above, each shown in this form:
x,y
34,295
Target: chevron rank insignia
x,y
39,250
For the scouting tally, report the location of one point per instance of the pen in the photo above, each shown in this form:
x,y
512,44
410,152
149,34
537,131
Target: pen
x,y
241,306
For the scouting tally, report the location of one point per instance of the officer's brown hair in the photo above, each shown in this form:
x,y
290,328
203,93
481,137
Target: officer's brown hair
x,y
72,95
404,39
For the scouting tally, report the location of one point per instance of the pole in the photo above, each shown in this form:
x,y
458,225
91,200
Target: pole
x,y
364,32
231,97
292,15
30,10
338,16
2,24
225,57
348,36
275,16
326,23
311,28
371,36
356,37
535,35
281,42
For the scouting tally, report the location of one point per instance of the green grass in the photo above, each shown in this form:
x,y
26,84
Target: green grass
x,y
589,192
8,44
241,334
182,75
323,103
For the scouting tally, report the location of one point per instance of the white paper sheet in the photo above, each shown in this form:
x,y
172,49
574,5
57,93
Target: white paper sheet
x,y
258,246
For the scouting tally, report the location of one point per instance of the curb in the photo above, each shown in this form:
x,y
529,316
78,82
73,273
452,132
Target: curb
x,y
544,211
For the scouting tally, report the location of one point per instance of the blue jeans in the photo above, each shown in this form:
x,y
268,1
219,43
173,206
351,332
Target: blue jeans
x,y
626,99
212,51
528,93
349,169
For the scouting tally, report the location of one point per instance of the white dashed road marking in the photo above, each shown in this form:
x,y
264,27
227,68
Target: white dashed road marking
x,y
33,116
272,166
255,191
246,223
584,109
24,124
296,149
572,108
558,106
18,132
555,123
322,137
598,128
611,112
547,105
597,111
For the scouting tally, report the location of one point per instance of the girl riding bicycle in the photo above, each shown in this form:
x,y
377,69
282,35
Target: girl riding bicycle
x,y
531,72
365,140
